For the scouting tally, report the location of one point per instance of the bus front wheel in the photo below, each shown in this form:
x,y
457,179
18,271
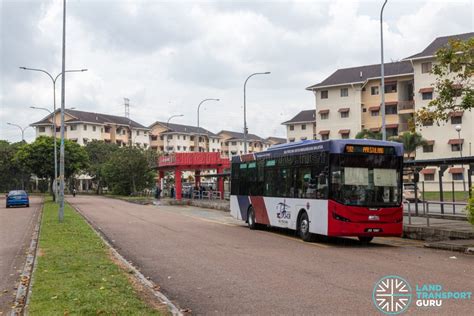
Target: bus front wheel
x,y
251,218
365,239
303,228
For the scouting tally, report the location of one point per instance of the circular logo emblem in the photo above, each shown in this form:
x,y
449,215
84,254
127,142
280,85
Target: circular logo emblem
x,y
392,295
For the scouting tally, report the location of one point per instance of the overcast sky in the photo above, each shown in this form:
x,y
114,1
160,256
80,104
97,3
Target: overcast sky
x,y
166,56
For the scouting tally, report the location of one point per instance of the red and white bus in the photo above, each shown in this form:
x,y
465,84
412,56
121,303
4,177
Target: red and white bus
x,y
347,187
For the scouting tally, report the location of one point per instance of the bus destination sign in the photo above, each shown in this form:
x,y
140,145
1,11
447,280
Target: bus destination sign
x,y
361,149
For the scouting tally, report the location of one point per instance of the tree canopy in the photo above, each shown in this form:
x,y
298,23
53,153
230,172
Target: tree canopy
x,y
39,157
411,141
128,170
367,134
99,153
454,70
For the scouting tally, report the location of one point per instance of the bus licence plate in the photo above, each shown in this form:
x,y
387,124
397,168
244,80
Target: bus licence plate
x,y
373,230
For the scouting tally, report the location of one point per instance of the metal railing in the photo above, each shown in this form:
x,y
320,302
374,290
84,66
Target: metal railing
x,y
426,209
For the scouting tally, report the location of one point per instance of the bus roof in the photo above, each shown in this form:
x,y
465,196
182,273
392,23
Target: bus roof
x,y
332,146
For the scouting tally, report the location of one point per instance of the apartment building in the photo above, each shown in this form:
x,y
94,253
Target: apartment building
x,y
232,143
275,140
301,127
444,141
169,137
83,127
349,100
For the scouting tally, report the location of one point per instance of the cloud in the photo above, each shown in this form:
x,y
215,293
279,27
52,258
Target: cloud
x,y
166,56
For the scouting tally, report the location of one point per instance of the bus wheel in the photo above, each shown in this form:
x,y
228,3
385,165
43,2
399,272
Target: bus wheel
x,y
365,239
251,219
303,228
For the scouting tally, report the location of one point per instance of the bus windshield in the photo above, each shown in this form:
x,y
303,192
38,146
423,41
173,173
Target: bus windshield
x,y
366,180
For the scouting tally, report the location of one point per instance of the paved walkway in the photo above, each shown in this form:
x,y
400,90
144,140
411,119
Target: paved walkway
x,y
438,229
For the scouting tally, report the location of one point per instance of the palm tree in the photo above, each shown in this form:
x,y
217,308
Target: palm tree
x,y
367,134
411,141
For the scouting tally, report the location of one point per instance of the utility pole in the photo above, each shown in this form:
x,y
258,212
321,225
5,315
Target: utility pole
x,y
63,96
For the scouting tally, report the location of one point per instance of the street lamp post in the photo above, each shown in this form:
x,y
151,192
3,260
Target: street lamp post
x,y
199,106
245,107
458,129
167,126
22,129
382,74
53,118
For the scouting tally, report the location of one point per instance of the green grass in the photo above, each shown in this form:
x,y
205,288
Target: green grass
x,y
459,196
75,275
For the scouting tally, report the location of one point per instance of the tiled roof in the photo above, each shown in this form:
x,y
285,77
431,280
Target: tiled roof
x,y
276,140
303,116
91,117
362,73
438,43
238,135
185,129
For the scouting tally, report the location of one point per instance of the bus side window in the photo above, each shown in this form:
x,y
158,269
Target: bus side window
x,y
303,183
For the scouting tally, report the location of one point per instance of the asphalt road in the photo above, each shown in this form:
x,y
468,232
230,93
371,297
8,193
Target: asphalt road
x,y
16,229
208,262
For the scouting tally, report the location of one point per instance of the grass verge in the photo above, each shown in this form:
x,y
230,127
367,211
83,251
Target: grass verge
x,y
459,196
75,274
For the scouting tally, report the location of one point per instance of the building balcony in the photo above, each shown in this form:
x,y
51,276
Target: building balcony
x,y
406,106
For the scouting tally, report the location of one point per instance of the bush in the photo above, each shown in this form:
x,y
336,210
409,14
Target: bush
x,y
470,207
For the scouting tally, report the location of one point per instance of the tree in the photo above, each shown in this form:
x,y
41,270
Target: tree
x,y
99,153
454,84
39,157
411,141
128,171
367,134
13,175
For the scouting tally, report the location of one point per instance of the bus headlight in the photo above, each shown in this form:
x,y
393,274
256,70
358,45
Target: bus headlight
x,y
339,217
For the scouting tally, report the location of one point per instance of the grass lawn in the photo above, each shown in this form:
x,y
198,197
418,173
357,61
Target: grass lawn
x,y
447,196
75,274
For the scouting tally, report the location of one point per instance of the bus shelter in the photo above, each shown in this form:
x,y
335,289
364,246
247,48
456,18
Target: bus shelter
x,y
193,161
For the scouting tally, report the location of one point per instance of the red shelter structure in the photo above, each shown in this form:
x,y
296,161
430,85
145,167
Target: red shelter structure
x,y
193,161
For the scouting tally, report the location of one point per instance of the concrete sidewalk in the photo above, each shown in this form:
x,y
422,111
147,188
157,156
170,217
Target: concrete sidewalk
x,y
438,229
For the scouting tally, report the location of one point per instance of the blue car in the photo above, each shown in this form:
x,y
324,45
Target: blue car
x,y
18,197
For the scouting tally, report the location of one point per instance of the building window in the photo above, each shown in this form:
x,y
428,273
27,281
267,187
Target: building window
x,y
458,176
428,148
374,113
184,137
304,138
364,110
179,136
73,127
392,132
292,127
345,136
325,137
324,94
138,133
345,114
94,128
455,147
162,137
391,87
178,147
191,138
374,90
107,129
170,136
426,67
41,129
291,140
344,92
123,132
456,119
390,109
153,137
162,148
184,148
429,176
233,143
324,116
427,95
303,127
